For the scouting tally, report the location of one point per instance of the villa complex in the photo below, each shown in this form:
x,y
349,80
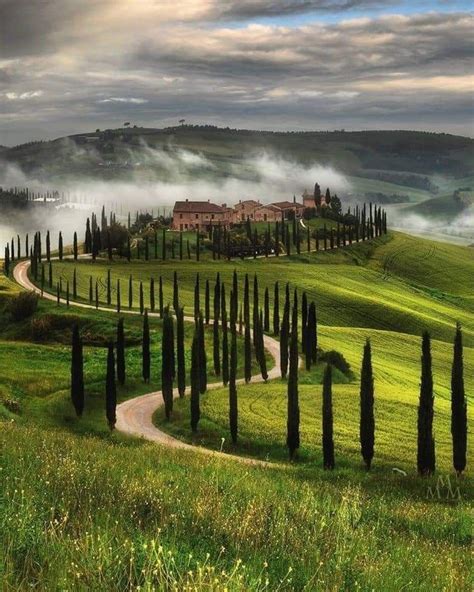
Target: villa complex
x,y
192,215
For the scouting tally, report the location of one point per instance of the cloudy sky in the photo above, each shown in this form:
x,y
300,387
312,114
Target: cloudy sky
x,y
69,66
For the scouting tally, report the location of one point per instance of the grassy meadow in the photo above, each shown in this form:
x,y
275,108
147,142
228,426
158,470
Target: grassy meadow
x,y
82,508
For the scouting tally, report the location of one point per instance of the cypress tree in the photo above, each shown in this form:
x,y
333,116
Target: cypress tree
x,y
142,298
225,340
60,246
74,284
160,297
110,389
119,301
197,305
233,406
175,293
458,405
146,349
109,245
285,334
276,309
163,244
120,352
129,249
181,360
195,380
255,305
6,263
304,321
367,421
77,372
327,432
48,246
50,276
260,348
311,337
216,344
207,304
202,357
152,294
234,302
130,291
293,421
42,279
266,321
167,363
67,287
96,295
90,290
426,443
74,247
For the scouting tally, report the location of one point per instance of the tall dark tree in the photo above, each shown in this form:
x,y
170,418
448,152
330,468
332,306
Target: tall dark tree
x,y
167,362
426,443
146,363
458,405
60,246
74,247
276,309
266,317
367,420
225,339
207,303
195,380
311,337
304,321
293,420
142,298
77,372
119,298
163,244
48,246
202,356
285,335
327,423
197,304
130,291
110,388
152,294
216,340
256,307
260,348
180,356
233,406
160,297
120,352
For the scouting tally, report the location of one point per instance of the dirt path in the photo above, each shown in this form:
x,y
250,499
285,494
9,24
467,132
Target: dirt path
x,y
135,416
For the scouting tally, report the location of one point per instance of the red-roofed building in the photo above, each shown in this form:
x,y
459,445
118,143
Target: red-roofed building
x,y
197,215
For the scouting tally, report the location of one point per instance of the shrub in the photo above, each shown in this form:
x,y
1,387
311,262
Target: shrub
x,y
23,305
41,328
337,360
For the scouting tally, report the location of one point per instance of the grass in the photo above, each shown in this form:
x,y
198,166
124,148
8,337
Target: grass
x,y
366,285
84,509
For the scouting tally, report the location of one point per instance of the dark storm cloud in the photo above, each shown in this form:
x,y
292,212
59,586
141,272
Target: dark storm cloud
x,y
75,66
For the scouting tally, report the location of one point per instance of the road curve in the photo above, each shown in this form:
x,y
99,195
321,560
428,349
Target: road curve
x,y
135,416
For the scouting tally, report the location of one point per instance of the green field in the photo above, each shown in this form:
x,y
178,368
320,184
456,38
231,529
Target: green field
x,y
82,507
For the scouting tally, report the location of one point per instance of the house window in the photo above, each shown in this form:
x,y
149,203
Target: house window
x,y
197,216
212,216
186,226
181,216
264,217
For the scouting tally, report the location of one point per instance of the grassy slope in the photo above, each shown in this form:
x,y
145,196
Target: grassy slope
x,y
109,511
358,287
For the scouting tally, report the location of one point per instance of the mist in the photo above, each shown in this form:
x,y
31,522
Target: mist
x,y
156,179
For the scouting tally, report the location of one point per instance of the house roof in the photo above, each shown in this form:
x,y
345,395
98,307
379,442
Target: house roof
x,y
198,207
251,202
286,205
272,207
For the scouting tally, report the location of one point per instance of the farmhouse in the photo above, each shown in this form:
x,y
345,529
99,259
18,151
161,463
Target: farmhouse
x,y
245,210
196,215
288,208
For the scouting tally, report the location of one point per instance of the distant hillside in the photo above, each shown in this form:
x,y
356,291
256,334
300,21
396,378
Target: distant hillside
x,y
388,166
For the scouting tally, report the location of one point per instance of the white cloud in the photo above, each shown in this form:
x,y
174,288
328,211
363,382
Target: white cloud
x,y
131,100
31,94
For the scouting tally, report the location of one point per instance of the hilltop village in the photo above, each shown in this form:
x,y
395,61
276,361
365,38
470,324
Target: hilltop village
x,y
200,215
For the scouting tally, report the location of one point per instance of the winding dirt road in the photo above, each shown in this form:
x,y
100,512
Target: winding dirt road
x,y
135,416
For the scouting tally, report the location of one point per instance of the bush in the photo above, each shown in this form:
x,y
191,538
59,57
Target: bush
x,y
41,328
337,360
23,305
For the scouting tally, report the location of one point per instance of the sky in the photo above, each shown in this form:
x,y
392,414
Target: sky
x,y
71,66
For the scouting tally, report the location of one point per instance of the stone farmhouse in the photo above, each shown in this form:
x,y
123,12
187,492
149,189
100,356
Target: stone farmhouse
x,y
196,215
